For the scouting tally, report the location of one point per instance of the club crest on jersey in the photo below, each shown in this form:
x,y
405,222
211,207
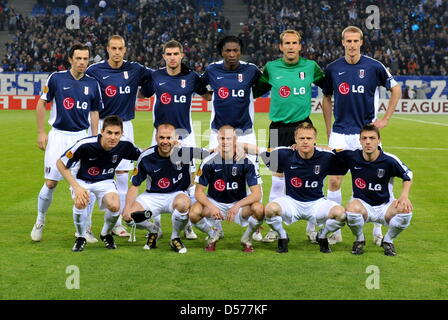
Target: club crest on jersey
x,y
380,173
183,83
302,75
240,77
86,91
125,75
362,73
114,158
69,154
178,165
234,171
316,169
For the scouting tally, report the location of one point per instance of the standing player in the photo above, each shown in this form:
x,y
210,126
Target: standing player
x,y
174,87
373,200
167,173
119,81
354,80
290,79
98,157
233,102
74,97
304,171
227,198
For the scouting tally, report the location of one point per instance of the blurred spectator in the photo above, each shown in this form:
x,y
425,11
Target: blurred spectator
x,y
412,39
144,25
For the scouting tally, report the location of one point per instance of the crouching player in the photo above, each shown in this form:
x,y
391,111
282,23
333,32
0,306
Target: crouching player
x,y
305,170
166,169
98,157
226,178
373,201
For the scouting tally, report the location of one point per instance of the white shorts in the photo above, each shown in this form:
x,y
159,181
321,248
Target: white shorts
x,y
59,142
344,141
158,203
315,212
224,207
128,132
376,214
247,138
100,189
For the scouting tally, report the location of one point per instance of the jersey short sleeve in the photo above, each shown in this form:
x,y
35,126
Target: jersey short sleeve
x,y
203,175
139,174
384,77
327,84
262,85
201,86
318,75
48,91
72,155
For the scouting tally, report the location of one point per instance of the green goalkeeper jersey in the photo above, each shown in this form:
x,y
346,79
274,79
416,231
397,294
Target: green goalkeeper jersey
x,y
290,86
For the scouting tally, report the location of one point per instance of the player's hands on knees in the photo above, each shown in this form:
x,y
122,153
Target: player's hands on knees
x,y
82,197
42,140
403,204
232,212
215,213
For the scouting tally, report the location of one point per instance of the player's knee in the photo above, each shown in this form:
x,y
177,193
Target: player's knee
x,y
114,207
182,203
195,212
401,220
338,213
257,210
334,183
272,209
51,184
354,206
80,206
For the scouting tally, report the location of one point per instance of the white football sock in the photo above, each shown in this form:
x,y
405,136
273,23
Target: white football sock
x,y
277,188
397,224
80,219
377,230
276,224
205,226
122,187
331,225
356,223
43,203
90,208
179,221
253,225
110,218
335,196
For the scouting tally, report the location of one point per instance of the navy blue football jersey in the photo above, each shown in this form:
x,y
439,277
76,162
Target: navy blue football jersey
x,y
372,181
166,174
355,88
304,178
72,100
172,103
233,102
97,164
119,86
226,180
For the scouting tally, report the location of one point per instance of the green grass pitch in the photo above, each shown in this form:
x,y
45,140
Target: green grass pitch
x,y
39,270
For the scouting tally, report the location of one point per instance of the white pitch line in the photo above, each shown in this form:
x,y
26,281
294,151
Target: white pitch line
x,y
422,121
